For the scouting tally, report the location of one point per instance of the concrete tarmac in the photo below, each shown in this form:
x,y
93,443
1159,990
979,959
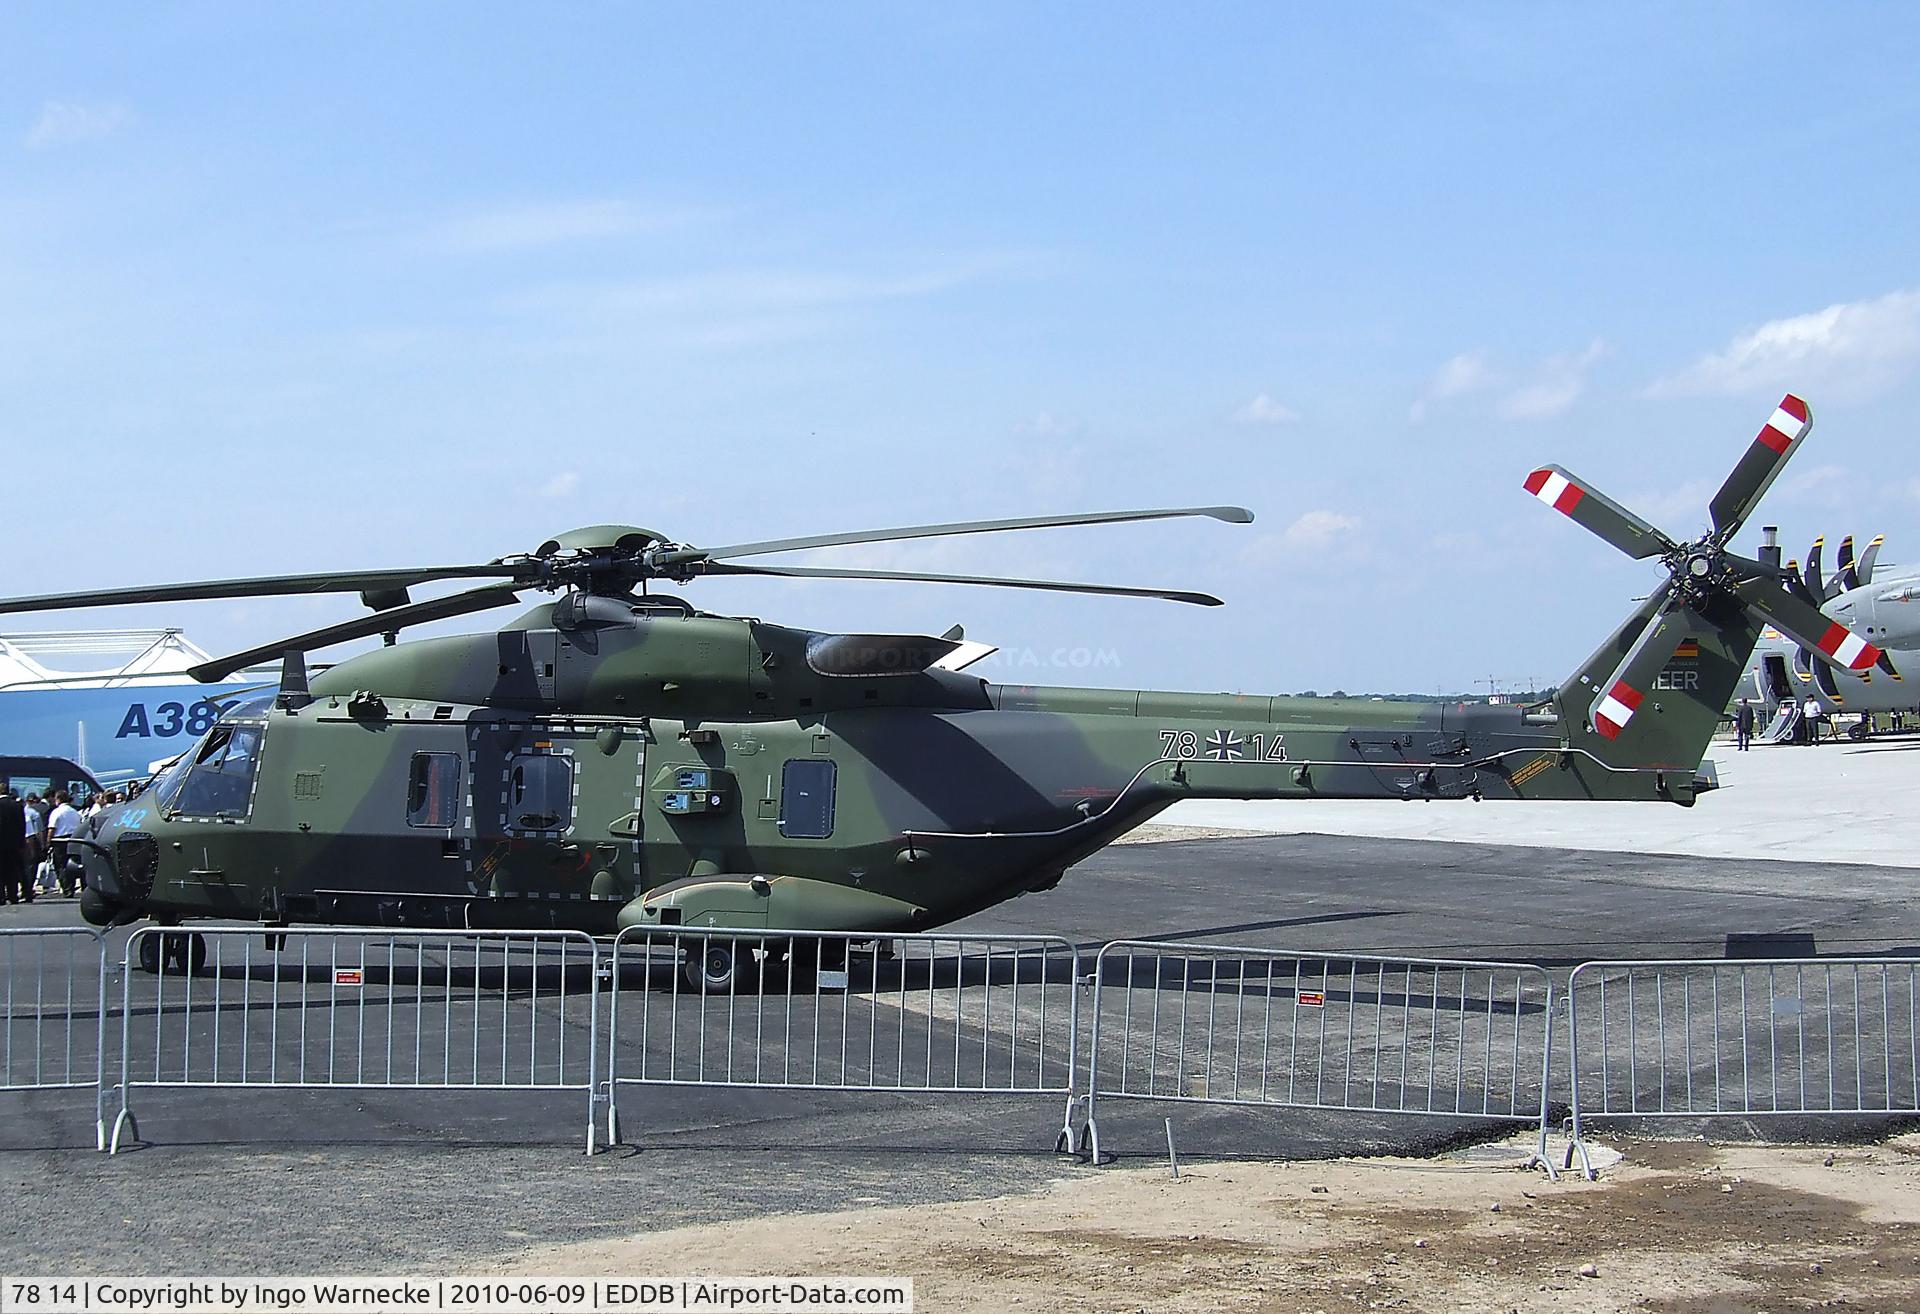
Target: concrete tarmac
x,y
363,1181
1837,801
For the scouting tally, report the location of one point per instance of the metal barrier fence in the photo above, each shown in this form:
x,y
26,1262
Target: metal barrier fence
x,y
1703,1038
1224,1024
844,1012
357,1009
56,1008
1235,1025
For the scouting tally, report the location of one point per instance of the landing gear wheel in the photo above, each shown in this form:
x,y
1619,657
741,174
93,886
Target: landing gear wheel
x,y
179,953
718,967
149,953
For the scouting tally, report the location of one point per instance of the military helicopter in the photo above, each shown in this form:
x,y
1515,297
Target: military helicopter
x,y
616,758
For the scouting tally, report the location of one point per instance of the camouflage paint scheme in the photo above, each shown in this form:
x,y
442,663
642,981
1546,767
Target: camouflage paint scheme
x,y
948,794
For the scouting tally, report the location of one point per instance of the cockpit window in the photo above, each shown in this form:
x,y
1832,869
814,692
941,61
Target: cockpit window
x,y
166,786
256,704
220,781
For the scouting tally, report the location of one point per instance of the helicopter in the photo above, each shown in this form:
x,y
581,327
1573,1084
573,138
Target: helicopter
x,y
616,758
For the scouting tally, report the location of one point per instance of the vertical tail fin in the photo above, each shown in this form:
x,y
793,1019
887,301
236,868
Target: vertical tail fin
x,y
1672,711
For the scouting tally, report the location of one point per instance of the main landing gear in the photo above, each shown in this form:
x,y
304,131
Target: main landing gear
x,y
720,965
178,953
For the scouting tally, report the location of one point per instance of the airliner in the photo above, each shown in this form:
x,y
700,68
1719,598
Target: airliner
x,y
116,702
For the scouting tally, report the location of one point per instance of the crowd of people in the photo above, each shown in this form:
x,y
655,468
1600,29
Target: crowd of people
x,y
36,841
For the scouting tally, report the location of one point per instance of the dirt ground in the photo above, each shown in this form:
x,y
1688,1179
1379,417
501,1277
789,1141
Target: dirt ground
x,y
1677,1227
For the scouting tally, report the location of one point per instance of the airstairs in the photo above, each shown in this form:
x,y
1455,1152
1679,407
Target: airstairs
x,y
1785,723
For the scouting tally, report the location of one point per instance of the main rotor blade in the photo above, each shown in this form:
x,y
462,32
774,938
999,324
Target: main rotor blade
x,y
1233,515
923,577
1620,695
1807,626
1777,440
1562,490
358,581
363,627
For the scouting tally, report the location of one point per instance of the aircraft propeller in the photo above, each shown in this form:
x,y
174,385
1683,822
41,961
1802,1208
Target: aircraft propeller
x,y
1816,585
1869,557
1854,573
1703,576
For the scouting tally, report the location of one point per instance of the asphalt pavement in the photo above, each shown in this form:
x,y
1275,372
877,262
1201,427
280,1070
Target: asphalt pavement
x,y
371,1179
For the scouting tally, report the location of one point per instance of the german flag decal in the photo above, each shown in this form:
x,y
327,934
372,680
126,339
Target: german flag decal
x,y
1687,648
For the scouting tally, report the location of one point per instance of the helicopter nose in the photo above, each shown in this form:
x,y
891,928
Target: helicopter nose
x,y
103,902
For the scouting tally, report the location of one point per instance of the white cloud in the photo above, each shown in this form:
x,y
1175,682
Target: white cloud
x,y
1556,383
1852,347
734,308
1677,509
1047,425
1265,410
1051,473
1537,392
67,123
1823,485
1309,532
561,484
1466,372
734,291
549,223
1317,529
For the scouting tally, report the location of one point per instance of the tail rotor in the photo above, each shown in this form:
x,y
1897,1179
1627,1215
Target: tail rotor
x,y
1710,591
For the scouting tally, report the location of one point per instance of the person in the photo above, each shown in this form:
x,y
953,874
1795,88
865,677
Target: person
x,y
1743,725
1814,712
36,809
16,878
103,803
63,824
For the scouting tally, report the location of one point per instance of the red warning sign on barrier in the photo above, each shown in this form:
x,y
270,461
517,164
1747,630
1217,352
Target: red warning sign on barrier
x,y
1311,998
349,976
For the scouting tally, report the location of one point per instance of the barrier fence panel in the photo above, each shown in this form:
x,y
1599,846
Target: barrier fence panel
x,y
827,1011
359,1009
56,1006
1753,1038
1224,1024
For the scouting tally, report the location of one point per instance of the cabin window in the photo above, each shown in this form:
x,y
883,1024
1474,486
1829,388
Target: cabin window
x,y
433,790
220,782
806,799
540,793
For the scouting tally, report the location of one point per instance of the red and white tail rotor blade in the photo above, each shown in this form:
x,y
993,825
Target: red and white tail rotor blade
x,y
1777,440
1807,626
1564,491
1623,693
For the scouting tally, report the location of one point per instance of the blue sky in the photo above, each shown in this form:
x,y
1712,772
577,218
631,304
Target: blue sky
x,y
290,288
